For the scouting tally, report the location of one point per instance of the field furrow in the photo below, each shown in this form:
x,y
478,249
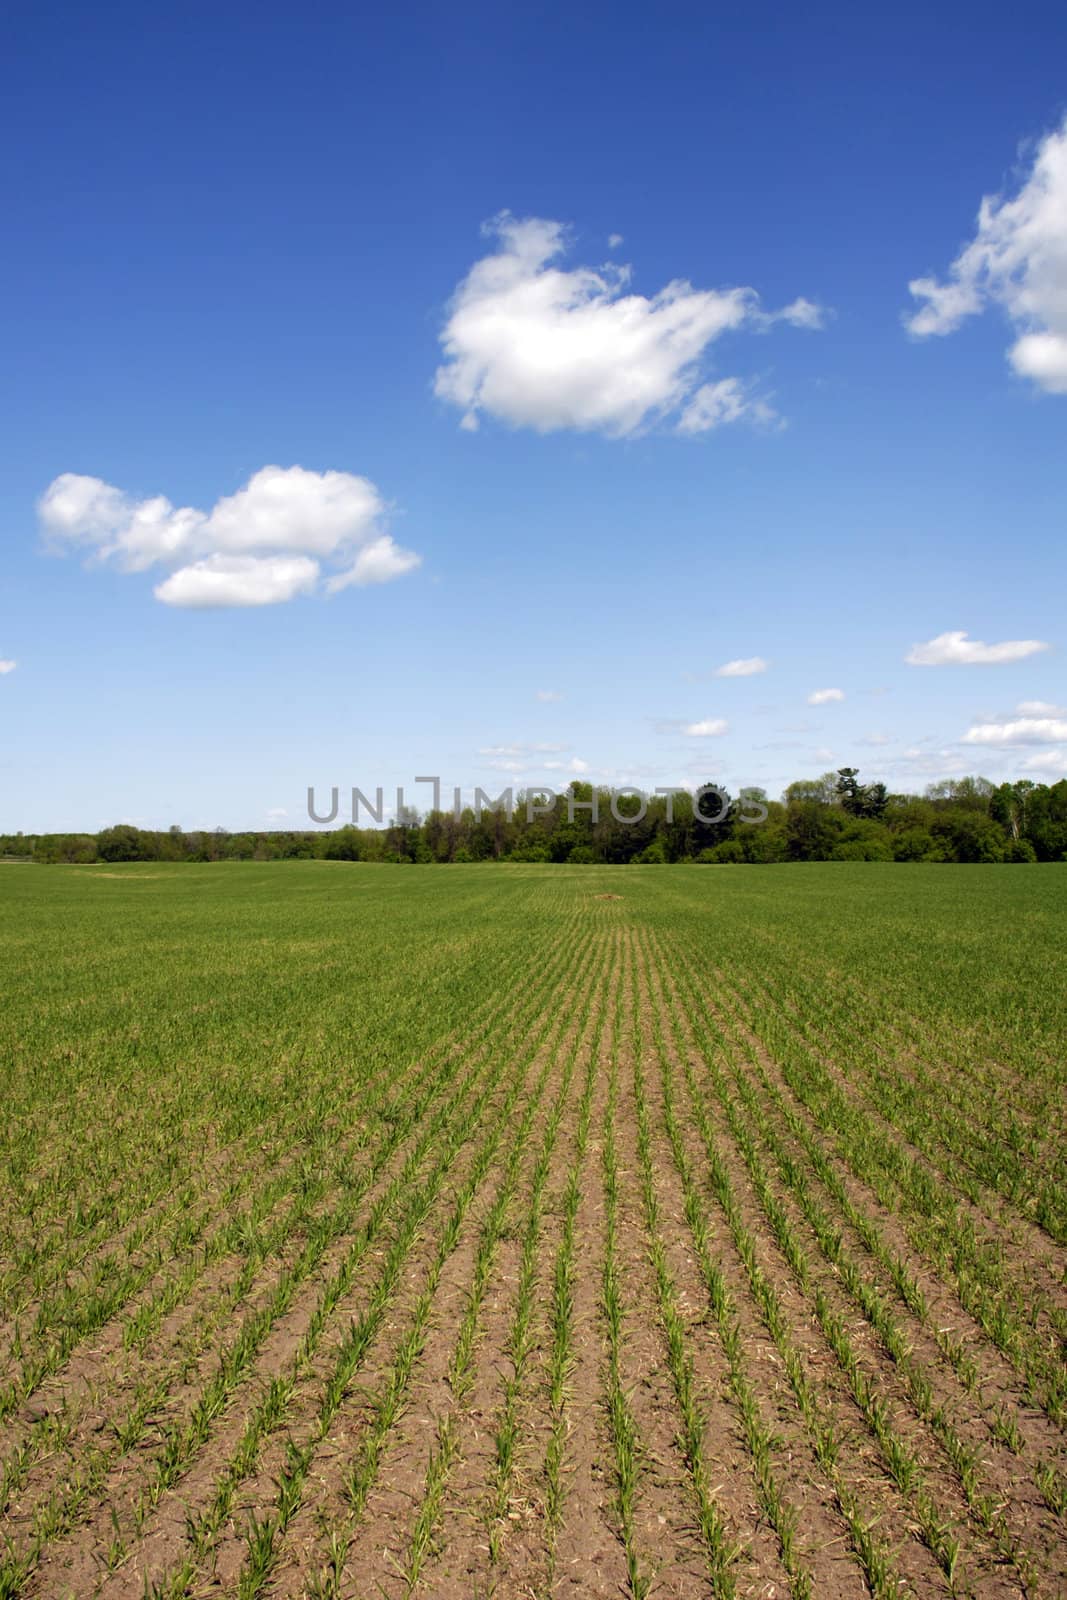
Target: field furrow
x,y
528,1232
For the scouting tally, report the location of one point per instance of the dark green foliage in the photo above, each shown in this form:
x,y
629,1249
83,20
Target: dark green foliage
x,y
831,818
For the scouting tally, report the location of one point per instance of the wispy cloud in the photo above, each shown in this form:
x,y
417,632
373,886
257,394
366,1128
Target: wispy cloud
x,y
710,728
1052,762
528,759
1040,708
728,400
825,697
800,313
521,749
743,667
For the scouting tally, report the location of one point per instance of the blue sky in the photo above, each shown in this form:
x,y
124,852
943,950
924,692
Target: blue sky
x,y
239,238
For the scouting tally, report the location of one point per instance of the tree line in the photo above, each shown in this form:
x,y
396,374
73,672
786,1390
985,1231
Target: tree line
x,y
835,817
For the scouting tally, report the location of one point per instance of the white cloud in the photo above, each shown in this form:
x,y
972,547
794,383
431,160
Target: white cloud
x,y
539,346
743,667
6,667
1018,730
529,758
957,650
276,813
1017,260
725,401
549,696
256,547
378,562
614,240
78,507
918,762
288,508
575,765
800,313
238,581
1040,708
521,749
825,697
710,728
945,308
80,510
1053,762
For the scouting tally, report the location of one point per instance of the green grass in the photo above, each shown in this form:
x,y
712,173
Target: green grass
x,y
242,1096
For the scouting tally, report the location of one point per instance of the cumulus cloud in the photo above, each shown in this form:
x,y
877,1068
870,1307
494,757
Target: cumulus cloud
x,y
7,666
1018,730
1018,261
541,346
825,697
956,649
710,728
743,667
238,581
259,546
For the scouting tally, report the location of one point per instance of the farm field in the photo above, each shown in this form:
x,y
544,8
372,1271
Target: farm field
x,y
533,1231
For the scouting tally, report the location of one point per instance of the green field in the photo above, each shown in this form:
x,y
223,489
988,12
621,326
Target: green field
x,y
519,1230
